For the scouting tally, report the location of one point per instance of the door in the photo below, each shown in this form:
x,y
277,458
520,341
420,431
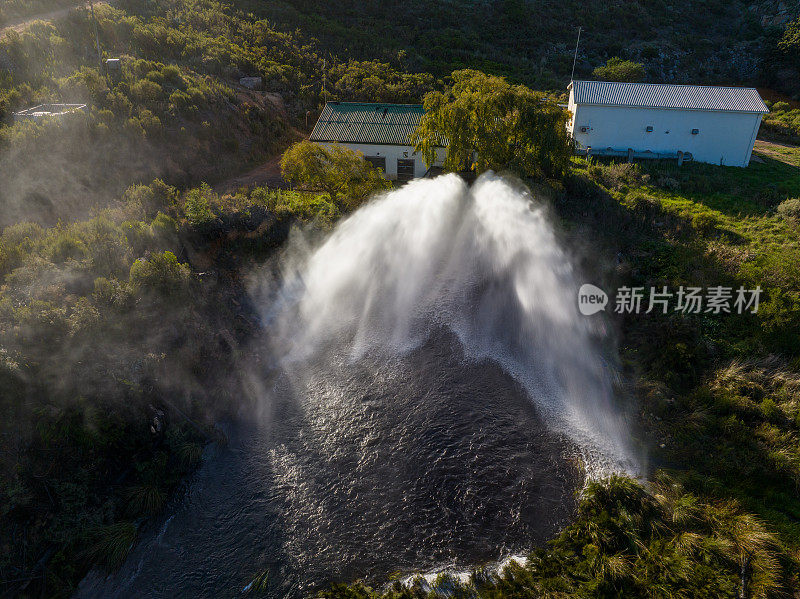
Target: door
x,y
405,169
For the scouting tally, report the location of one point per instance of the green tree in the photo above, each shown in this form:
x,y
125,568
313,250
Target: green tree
x,y
617,69
198,205
162,273
790,42
490,124
338,171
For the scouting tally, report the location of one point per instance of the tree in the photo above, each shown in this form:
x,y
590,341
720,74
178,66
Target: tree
x,y
790,42
339,171
617,69
491,124
162,273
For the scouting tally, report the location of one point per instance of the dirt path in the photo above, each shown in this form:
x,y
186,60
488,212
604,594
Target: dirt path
x,y
23,24
268,173
784,152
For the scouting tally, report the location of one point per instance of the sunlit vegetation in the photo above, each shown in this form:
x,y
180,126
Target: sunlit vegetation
x,y
617,69
491,124
341,173
783,121
118,297
626,541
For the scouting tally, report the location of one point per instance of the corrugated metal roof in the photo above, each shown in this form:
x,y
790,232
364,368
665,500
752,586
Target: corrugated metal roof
x,y
356,122
649,95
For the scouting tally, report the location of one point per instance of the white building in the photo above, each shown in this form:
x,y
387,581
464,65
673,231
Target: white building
x,y
381,132
43,111
717,125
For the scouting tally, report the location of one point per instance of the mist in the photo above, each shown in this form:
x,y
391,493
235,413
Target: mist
x,y
483,262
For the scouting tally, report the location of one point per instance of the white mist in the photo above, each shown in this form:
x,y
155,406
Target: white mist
x,y
483,261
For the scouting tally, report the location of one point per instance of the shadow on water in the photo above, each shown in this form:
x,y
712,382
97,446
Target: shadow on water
x,y
364,469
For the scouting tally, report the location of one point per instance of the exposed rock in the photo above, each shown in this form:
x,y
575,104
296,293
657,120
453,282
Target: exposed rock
x,y
251,82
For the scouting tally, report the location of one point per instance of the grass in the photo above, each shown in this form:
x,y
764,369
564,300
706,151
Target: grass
x,y
111,545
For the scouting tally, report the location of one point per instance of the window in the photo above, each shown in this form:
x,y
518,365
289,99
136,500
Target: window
x,y
649,128
405,169
377,162
695,131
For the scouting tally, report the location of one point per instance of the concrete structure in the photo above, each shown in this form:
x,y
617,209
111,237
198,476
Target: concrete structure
x,y
717,125
46,110
381,132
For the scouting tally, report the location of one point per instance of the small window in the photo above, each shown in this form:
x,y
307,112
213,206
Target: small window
x,y
695,131
649,129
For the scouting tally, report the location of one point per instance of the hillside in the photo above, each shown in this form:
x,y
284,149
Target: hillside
x,y
533,42
131,232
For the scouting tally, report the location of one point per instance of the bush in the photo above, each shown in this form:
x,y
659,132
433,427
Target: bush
x,y
161,273
111,544
197,206
705,222
790,209
617,69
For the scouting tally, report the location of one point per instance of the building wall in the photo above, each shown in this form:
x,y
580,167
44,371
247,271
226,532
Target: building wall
x,y
725,138
393,154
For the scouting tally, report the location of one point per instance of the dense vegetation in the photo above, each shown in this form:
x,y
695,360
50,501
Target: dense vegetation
x,y
121,309
714,41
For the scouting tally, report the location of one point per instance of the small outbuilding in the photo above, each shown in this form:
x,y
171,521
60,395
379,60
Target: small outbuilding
x,y
717,125
381,132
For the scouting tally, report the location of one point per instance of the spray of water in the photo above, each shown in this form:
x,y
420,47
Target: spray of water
x,y
483,262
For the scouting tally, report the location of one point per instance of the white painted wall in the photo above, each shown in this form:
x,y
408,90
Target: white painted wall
x,y
725,138
392,154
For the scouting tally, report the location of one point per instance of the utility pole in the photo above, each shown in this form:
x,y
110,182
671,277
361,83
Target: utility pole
x,y
324,76
96,37
575,60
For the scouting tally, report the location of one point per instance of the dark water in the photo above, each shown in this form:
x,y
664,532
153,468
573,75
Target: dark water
x,y
358,471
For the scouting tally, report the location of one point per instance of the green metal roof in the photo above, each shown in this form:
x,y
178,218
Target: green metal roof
x,y
356,122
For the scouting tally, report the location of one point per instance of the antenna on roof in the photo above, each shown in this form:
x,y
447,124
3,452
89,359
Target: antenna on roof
x,y
574,60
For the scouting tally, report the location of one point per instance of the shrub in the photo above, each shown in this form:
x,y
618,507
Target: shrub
x,y
617,69
705,222
161,273
618,175
145,499
790,209
146,91
197,206
111,544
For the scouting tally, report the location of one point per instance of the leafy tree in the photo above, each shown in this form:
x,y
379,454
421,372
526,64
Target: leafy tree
x,y
790,42
198,206
340,172
617,69
490,124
